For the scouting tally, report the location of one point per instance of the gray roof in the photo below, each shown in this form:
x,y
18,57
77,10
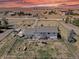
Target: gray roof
x,y
40,29
29,31
46,29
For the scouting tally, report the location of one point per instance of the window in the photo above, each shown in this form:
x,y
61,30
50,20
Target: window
x,y
54,33
48,33
0,22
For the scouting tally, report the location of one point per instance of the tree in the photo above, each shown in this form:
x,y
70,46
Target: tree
x,y
71,36
4,23
21,13
69,12
76,22
69,17
67,20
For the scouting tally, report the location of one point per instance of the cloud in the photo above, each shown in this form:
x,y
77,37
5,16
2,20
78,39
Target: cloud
x,y
24,3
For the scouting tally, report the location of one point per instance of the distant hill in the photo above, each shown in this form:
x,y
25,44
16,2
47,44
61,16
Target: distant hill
x,y
70,6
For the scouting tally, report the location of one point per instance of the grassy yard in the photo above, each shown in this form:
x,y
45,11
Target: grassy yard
x,y
39,50
76,22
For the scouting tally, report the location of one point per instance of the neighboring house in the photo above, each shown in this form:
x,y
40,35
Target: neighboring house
x,y
41,33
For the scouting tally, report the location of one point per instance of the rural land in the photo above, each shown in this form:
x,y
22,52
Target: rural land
x,y
39,33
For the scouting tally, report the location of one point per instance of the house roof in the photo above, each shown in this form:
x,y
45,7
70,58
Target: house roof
x,y
40,29
46,29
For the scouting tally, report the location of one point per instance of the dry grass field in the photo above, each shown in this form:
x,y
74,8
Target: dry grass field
x,y
21,48
24,48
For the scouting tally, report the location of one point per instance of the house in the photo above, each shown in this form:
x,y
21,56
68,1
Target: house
x,y
41,32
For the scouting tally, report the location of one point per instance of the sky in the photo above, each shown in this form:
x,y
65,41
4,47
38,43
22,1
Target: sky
x,y
26,3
